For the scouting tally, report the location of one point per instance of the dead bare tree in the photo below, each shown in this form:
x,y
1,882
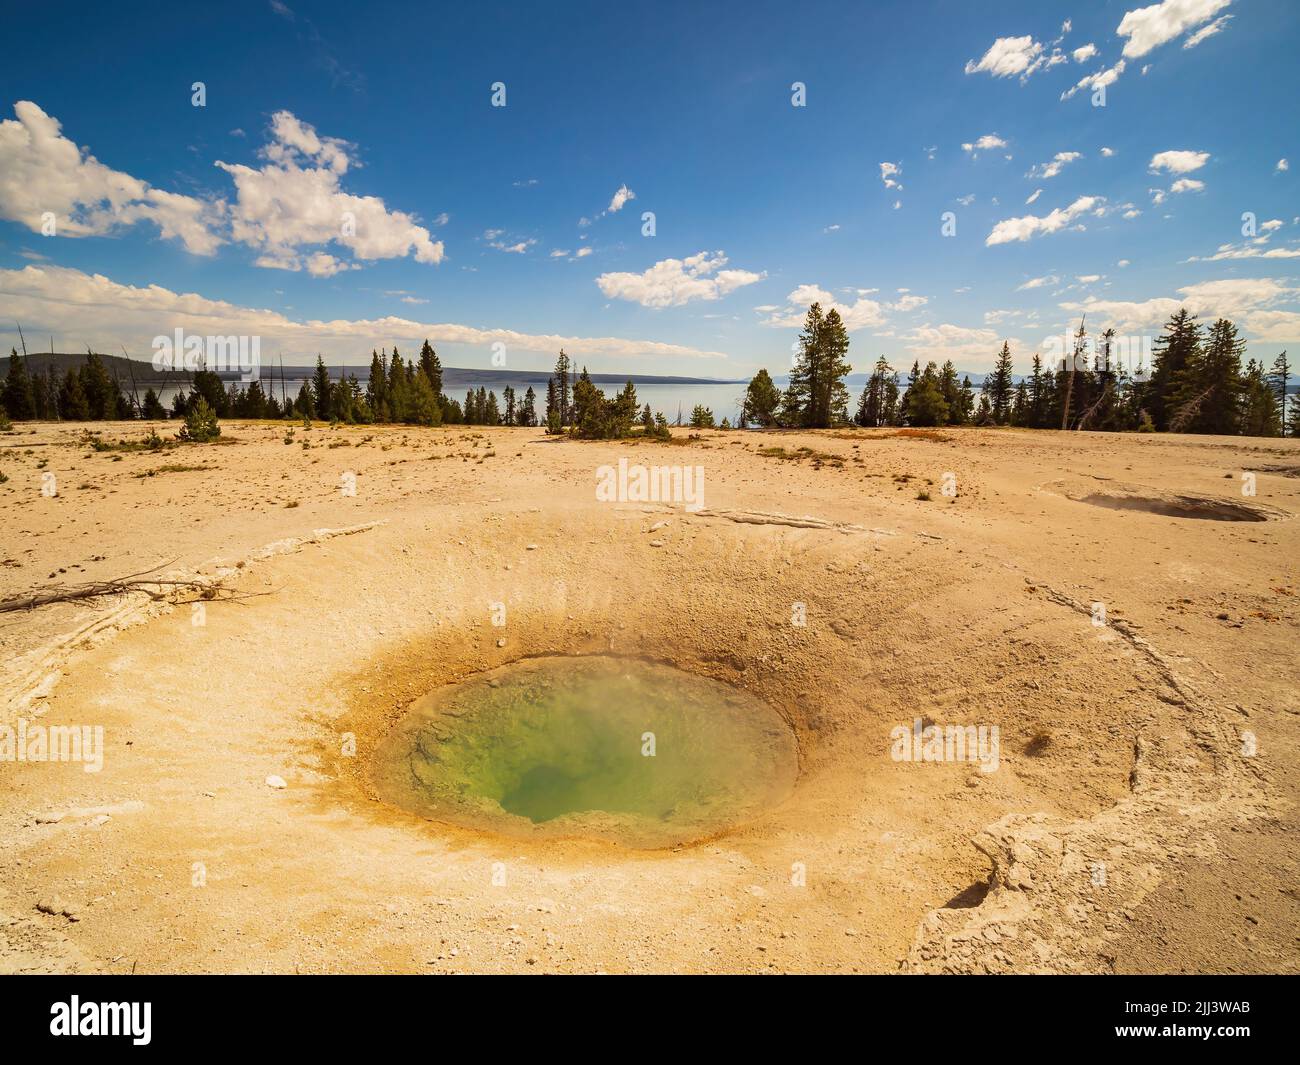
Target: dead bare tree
x,y
1074,365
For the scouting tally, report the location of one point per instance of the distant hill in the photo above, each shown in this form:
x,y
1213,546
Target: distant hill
x,y
452,376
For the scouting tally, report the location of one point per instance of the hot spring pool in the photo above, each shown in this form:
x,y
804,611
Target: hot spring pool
x,y
618,749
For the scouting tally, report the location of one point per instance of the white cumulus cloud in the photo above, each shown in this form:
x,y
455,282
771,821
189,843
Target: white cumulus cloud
x,y
1178,162
985,143
862,313
1149,27
674,282
292,206
43,171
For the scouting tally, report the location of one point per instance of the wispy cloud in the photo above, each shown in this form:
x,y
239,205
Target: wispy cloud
x,y
1028,226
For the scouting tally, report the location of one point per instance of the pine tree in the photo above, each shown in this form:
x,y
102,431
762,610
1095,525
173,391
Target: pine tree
x,y
491,410
305,404
890,407
925,402
702,417
1259,412
951,392
208,385
424,408
831,395
552,406
101,394
73,404
801,394
914,375
762,398
1020,409
377,387
1205,395
1293,420
586,409
1179,344
18,398
528,413
399,388
1278,378
201,426
998,386
511,412
153,408
323,390
254,401
562,368
624,410
965,403
431,367
1037,395
872,406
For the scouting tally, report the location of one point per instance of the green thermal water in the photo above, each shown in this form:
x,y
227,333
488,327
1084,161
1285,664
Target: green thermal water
x,y
621,749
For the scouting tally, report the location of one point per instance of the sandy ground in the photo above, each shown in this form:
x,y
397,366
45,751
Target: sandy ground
x,y
1141,818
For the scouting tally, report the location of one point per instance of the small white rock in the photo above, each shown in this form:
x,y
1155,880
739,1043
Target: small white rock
x,y
275,782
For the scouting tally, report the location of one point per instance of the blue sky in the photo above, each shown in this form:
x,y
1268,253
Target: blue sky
x,y
477,225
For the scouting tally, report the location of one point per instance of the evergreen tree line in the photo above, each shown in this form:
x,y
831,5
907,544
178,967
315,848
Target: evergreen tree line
x,y
574,405
1196,384
397,391
87,393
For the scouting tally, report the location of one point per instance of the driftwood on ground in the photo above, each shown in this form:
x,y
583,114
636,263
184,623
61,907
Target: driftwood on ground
x,y
154,587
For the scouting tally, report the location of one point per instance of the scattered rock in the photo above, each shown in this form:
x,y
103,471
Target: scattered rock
x,y
276,782
56,907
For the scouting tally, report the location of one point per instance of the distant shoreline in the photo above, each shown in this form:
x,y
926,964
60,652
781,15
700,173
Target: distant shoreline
x,y
146,375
